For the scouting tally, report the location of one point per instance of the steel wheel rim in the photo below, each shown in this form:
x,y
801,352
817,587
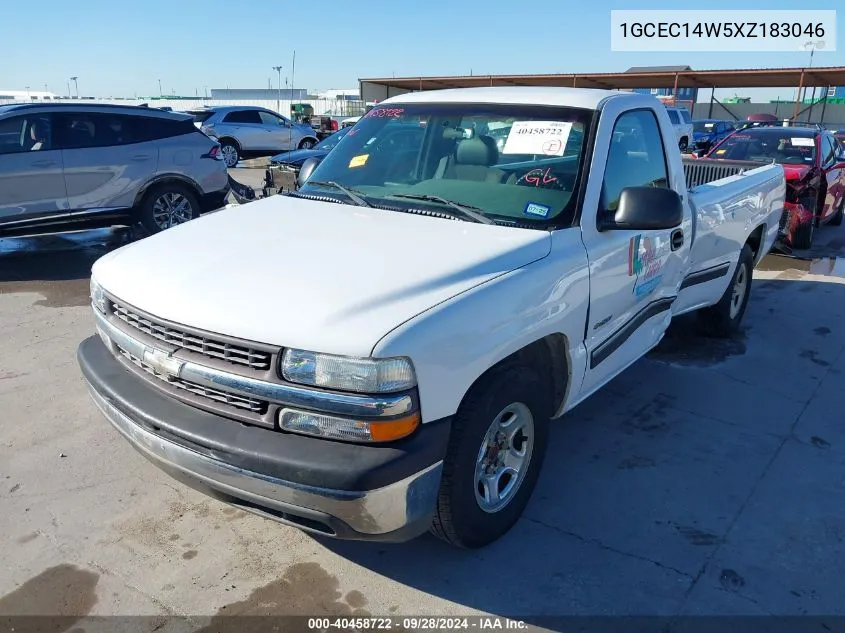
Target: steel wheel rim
x,y
504,457
230,155
740,286
171,209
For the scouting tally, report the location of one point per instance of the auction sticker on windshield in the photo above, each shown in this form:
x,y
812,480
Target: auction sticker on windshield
x,y
803,142
538,137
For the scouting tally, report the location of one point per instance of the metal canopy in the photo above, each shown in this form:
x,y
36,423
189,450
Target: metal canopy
x,y
738,78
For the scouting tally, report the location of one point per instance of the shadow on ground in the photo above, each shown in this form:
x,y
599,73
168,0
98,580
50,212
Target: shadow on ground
x,y
702,481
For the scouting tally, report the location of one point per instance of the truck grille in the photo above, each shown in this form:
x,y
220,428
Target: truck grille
x,y
240,402
237,354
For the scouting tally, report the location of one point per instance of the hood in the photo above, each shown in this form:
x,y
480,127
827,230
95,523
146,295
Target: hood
x,y
313,275
297,157
796,172
703,135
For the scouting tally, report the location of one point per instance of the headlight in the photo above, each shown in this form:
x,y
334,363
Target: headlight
x,y
331,427
98,298
362,375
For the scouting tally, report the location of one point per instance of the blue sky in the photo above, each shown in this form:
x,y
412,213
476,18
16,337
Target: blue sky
x,y
122,48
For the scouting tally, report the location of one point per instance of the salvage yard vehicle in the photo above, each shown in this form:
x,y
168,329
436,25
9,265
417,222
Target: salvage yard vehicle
x,y
72,166
814,164
245,131
708,132
380,352
682,123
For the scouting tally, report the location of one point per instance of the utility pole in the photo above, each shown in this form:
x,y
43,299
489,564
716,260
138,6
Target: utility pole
x,y
292,71
160,93
76,85
278,70
69,95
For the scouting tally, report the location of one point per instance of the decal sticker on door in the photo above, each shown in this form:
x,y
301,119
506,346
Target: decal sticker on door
x,y
646,257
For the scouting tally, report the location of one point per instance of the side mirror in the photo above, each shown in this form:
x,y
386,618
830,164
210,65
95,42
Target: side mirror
x,y
644,209
306,170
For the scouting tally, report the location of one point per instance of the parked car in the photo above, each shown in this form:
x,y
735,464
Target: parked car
x,y
73,166
247,131
814,164
758,120
350,121
708,132
682,123
294,159
380,352
839,135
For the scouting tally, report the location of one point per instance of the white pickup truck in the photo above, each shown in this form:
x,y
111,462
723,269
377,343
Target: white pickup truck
x,y
380,352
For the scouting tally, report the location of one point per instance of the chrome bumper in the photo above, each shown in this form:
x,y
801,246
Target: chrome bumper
x,y
368,514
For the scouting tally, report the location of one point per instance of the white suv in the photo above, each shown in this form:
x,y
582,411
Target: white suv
x,y
682,122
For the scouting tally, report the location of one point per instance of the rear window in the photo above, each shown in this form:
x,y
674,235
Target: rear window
x,y
200,116
96,129
783,146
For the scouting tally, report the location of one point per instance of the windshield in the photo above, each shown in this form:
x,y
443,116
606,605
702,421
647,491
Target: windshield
x,y
330,141
511,163
768,144
705,127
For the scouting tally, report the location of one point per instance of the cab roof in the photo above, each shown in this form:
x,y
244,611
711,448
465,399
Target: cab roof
x,y
586,98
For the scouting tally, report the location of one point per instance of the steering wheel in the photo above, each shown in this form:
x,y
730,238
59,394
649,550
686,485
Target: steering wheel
x,y
541,179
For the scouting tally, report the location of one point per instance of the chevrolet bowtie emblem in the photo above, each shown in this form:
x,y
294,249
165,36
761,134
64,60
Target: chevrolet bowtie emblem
x,y
162,362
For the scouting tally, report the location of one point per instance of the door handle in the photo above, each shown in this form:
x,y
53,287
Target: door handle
x,y
46,162
140,157
677,239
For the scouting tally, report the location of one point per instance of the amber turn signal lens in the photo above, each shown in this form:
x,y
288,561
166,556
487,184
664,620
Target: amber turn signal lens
x,y
394,429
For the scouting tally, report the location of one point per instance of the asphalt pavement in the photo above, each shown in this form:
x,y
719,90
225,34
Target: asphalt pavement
x,y
705,480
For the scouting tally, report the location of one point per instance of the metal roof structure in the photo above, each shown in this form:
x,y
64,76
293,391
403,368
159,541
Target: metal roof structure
x,y
638,77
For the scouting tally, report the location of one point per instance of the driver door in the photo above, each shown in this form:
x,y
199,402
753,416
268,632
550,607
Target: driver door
x,y
634,274
279,132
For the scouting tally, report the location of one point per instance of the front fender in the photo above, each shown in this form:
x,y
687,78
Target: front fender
x,y
454,343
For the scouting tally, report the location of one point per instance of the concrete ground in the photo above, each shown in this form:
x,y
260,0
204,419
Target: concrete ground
x,y
707,479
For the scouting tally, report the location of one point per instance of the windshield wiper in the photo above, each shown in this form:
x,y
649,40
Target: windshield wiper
x,y
466,211
356,198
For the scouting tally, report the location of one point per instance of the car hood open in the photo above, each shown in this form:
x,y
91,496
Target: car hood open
x,y
314,275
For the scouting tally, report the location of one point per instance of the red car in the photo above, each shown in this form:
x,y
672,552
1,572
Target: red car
x,y
814,164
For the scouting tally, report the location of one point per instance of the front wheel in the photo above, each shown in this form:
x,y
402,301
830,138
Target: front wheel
x,y
836,220
495,454
683,144
723,319
802,237
306,143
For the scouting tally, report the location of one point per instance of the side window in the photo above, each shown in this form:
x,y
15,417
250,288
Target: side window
x,y
146,128
93,129
243,116
673,117
270,119
636,157
26,134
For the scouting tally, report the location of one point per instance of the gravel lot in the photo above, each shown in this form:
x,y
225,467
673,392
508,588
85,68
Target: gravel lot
x,y
707,479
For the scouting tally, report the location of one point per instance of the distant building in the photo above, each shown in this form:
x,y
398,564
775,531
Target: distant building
x,y
684,94
26,95
258,94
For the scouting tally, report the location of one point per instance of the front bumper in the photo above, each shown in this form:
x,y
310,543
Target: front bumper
x,y
359,492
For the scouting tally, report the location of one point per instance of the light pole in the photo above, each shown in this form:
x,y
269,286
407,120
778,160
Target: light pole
x,y
160,93
278,70
76,85
811,46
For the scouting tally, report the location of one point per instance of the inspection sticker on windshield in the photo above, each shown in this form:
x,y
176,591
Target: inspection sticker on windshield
x,y
538,137
359,161
803,142
539,210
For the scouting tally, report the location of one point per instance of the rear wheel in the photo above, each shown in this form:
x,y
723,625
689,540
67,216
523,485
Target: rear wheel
x,y
495,454
168,205
231,153
723,319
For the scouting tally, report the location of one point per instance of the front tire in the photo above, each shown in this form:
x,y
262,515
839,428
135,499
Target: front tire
x,y
802,238
306,143
723,319
683,144
168,205
495,455
836,220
